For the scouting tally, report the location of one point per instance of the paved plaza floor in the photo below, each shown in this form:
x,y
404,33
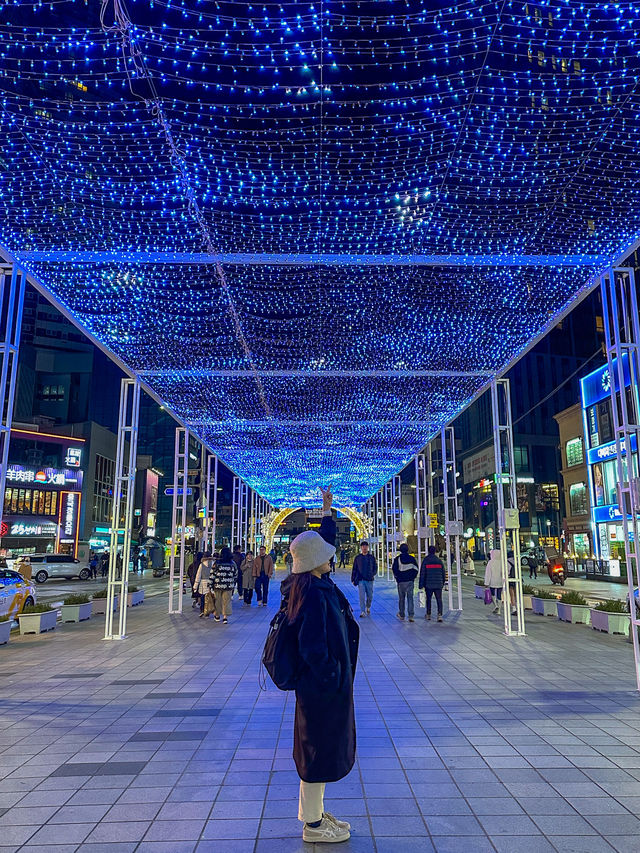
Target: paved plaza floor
x,y
467,740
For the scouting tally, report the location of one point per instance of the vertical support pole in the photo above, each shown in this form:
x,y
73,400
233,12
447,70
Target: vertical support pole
x,y
212,503
379,530
431,531
508,521
235,506
12,283
179,515
622,340
452,515
123,491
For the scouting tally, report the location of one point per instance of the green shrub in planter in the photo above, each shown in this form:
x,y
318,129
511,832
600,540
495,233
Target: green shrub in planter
x,y
4,618
77,599
100,593
542,593
613,606
36,608
133,589
573,597
527,589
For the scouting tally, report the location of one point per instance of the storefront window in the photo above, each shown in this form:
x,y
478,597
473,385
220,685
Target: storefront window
x,y
578,498
575,452
581,544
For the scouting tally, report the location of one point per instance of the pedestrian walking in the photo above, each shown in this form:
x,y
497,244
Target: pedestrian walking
x,y
119,566
201,585
327,638
104,565
493,578
262,572
362,574
93,567
343,559
247,579
237,557
223,579
432,579
405,571
192,571
288,561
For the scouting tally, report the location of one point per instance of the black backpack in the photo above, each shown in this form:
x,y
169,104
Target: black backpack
x,y
280,654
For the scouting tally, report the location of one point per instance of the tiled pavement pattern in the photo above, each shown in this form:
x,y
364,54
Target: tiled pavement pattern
x,y
468,741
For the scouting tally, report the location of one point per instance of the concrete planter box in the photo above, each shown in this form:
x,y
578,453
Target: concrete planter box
x,y
38,623
544,606
5,632
610,623
479,590
527,602
573,612
77,612
99,605
135,598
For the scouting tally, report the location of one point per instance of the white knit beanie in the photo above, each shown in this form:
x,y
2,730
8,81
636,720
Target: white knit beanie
x,y
309,550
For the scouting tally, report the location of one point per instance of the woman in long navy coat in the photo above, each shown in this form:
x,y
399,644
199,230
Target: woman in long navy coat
x,y
325,731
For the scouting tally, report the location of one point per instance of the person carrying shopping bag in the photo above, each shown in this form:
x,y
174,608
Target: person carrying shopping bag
x,y
201,584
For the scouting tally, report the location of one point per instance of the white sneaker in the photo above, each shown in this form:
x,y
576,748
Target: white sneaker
x,y
327,833
496,610
341,823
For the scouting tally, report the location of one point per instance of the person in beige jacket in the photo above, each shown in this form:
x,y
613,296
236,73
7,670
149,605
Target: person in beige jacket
x,y
247,578
262,572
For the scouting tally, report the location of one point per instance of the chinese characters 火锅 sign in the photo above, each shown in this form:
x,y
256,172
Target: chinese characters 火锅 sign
x,y
54,477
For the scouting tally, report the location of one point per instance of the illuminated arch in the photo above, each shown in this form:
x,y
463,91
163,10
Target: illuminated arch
x,y
272,521
360,521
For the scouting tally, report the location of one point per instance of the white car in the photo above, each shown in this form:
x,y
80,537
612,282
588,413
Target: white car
x,y
15,593
45,566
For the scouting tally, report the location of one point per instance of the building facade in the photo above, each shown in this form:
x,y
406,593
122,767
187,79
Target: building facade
x,y
578,536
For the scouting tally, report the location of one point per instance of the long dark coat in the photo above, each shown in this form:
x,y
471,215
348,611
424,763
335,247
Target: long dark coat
x,y
324,742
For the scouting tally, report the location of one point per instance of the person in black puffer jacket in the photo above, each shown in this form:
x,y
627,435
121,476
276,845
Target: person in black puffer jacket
x,y
405,571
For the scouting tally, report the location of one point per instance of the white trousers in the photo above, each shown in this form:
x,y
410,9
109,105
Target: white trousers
x,y
311,802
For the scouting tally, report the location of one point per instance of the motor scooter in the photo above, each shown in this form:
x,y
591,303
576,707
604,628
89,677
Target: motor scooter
x,y
556,573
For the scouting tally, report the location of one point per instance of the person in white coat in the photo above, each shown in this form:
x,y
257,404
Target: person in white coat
x,y
493,578
201,583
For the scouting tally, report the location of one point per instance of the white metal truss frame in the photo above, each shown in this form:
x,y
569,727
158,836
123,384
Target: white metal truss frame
x,y
392,514
123,493
507,505
179,517
377,546
253,522
211,506
620,299
12,282
452,515
424,501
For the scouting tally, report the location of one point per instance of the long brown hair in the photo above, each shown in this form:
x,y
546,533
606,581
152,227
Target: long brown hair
x,y
299,588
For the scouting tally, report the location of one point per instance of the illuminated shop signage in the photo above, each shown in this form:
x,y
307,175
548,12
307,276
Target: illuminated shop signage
x,y
608,451
20,528
603,514
74,457
56,477
597,385
68,518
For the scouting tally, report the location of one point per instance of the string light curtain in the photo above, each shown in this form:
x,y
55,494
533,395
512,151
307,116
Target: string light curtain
x,y
317,229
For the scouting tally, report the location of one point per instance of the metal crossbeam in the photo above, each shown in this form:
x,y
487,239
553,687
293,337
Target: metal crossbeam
x,y
328,373
306,259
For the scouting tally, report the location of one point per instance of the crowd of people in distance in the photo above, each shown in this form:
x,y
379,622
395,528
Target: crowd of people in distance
x,y
215,577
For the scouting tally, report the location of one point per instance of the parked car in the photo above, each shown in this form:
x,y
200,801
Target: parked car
x,y
15,593
44,566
